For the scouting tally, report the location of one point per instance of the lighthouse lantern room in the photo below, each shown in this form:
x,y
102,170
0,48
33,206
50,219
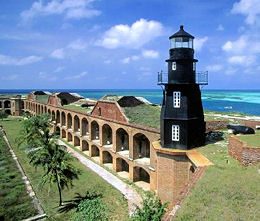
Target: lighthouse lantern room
x,y
182,119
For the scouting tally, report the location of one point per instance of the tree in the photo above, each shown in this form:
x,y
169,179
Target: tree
x,y
45,152
3,115
152,209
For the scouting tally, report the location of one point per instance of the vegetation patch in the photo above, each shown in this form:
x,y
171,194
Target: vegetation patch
x,y
15,203
78,108
48,195
144,114
252,140
227,191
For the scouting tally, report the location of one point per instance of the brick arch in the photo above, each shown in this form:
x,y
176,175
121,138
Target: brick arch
x,y
95,130
141,174
53,116
63,133
141,146
122,140
58,116
84,145
107,135
76,141
69,137
107,157
76,123
122,165
69,120
84,126
63,118
95,151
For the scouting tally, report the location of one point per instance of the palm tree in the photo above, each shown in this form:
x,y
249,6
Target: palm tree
x,y
46,153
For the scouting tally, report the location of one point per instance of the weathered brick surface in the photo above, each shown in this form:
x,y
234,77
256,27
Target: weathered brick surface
x,y
215,125
245,154
250,123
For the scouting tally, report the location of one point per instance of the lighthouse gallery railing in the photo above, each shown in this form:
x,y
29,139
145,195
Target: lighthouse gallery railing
x,y
201,78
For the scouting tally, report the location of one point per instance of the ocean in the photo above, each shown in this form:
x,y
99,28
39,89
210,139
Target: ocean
x,y
244,101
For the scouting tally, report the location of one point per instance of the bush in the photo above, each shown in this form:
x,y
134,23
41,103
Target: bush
x,y
3,115
91,210
153,209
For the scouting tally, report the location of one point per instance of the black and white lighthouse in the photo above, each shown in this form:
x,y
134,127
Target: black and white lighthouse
x,y
182,118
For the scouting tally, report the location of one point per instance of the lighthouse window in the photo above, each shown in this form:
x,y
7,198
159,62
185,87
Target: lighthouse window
x,y
176,99
175,132
194,66
173,66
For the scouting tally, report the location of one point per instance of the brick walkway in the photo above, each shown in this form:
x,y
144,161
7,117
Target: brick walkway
x,y
129,192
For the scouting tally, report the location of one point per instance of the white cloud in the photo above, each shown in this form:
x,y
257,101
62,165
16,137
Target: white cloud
x,y
107,61
242,60
134,36
236,46
72,9
58,69
199,42
77,76
249,8
58,54
214,68
150,54
231,71
7,60
77,45
220,28
44,76
129,59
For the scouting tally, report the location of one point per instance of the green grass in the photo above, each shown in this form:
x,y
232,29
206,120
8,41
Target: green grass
x,y
144,114
80,109
227,191
253,140
117,205
15,203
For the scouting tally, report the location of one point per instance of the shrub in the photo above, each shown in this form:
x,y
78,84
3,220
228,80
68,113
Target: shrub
x,y
3,115
152,209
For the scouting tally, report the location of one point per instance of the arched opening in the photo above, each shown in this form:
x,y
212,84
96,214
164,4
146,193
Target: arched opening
x,y
23,104
69,137
142,178
69,121
95,153
94,130
63,134
38,109
107,159
8,111
49,112
57,131
42,110
63,119
85,146
107,135
122,142
122,168
58,116
45,109
76,124
141,148
76,142
85,127
7,104
0,104
53,116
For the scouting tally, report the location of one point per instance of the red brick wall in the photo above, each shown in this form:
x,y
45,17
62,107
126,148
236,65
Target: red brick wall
x,y
250,123
215,125
53,101
109,110
244,154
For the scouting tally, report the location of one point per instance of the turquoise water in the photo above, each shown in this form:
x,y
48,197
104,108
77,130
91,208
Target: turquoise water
x,y
245,101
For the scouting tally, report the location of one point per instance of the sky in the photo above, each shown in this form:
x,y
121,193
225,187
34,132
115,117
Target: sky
x,y
122,44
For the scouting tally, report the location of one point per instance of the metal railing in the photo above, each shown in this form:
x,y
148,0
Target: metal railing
x,y
201,78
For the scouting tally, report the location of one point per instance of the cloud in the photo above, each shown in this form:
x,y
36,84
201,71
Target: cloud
x,y
134,36
10,77
58,54
242,60
214,68
249,8
44,76
199,42
107,61
128,59
58,69
77,76
220,28
72,9
150,54
7,60
77,45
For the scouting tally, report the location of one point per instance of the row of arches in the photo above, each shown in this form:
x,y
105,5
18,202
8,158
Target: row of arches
x,y
5,104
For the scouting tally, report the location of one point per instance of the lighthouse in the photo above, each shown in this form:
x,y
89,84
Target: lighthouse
x,y
182,118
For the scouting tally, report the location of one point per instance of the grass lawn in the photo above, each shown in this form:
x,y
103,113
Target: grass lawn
x,y
144,115
253,140
77,108
49,197
227,191
15,203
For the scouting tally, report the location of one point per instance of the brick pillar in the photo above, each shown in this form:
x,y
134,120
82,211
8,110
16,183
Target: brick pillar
x,y
131,171
114,141
100,135
114,163
131,146
101,156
